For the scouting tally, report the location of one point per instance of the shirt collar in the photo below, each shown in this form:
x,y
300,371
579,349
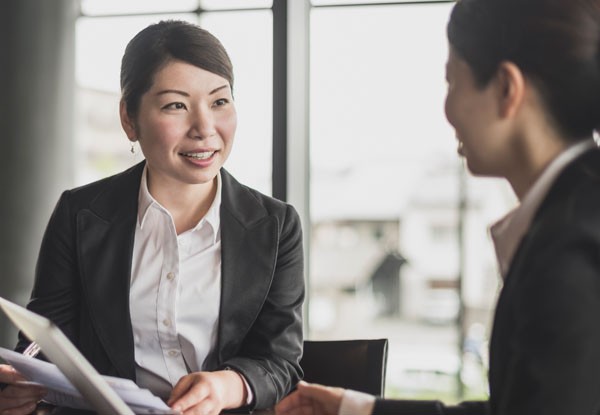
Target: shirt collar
x,y
145,201
508,232
213,216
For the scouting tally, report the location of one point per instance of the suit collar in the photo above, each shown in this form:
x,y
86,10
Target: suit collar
x,y
105,233
508,232
249,246
585,166
120,197
239,202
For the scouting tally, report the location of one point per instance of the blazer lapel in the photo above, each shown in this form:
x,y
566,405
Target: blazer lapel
x,y
106,234
586,165
249,241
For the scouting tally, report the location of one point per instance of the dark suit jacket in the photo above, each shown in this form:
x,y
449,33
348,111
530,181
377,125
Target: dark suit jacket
x,y
84,268
545,345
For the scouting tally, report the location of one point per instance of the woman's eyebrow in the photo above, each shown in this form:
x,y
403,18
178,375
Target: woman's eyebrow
x,y
177,91
173,91
218,89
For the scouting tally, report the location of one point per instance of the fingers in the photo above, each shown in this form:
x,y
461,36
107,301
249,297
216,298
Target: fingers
x,y
322,393
197,402
314,390
311,399
16,399
24,392
298,408
299,402
180,389
291,404
208,393
9,375
195,394
23,409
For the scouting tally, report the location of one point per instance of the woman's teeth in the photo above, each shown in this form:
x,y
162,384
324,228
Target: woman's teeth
x,y
199,156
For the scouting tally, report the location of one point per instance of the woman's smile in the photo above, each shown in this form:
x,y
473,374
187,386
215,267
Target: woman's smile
x,y
202,155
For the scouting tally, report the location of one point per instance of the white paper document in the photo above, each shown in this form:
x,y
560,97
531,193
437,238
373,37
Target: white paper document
x,y
61,391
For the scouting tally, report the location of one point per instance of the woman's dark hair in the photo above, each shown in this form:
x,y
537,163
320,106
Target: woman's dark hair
x,y
556,43
161,43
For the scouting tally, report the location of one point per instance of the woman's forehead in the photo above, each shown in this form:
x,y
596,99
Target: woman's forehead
x,y
178,73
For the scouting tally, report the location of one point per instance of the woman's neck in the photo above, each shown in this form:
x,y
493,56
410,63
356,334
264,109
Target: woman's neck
x,y
187,203
531,158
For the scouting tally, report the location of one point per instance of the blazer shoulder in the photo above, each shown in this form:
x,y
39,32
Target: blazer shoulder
x,y
568,216
86,195
574,198
250,204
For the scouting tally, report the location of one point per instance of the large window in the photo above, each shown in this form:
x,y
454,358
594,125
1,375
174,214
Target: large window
x,y
398,246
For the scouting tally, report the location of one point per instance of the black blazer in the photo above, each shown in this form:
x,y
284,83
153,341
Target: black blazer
x,y
545,345
84,269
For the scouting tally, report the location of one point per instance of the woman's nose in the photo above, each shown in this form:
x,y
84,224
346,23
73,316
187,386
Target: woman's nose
x,y
203,124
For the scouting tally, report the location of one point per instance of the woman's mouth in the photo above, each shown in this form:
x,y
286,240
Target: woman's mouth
x,y
203,155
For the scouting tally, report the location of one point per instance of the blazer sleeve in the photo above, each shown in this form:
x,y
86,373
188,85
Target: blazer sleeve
x,y
410,407
56,292
270,355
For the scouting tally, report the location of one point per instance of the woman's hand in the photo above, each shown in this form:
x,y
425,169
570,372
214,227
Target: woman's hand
x,y
17,399
208,393
311,399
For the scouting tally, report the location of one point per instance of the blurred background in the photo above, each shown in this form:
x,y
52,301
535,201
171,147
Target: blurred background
x,y
340,107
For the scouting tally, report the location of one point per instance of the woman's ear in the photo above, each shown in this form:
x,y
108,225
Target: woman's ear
x,y
127,122
511,88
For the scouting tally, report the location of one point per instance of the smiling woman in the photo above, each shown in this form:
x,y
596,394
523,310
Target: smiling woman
x,y
204,276
185,125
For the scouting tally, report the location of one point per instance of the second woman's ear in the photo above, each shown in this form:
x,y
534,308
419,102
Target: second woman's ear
x,y
127,122
511,88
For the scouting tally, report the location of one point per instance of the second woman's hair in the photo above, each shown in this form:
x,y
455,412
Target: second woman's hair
x,y
555,43
161,43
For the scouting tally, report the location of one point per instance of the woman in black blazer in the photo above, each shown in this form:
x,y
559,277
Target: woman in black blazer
x,y
172,273
524,98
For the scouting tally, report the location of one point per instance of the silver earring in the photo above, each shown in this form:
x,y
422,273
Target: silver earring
x,y
133,151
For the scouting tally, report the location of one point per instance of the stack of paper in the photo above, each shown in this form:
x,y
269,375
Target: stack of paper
x,y
61,391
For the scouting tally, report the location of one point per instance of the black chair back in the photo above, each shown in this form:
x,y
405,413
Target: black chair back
x,y
350,364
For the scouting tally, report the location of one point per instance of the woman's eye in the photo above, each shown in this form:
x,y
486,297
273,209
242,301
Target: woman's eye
x,y
175,106
220,102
